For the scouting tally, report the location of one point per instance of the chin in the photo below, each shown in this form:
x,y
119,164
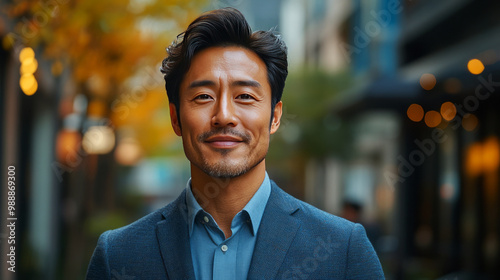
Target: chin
x,y
229,169
224,170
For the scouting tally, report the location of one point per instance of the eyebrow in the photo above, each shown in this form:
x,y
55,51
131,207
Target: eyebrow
x,y
243,83
201,83
246,83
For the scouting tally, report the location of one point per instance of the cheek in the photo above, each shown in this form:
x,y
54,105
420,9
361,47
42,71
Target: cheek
x,y
190,128
257,122
193,118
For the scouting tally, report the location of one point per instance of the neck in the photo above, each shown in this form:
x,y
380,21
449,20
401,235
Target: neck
x,y
223,198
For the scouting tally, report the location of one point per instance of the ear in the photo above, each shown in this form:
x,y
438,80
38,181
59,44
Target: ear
x,y
174,120
278,111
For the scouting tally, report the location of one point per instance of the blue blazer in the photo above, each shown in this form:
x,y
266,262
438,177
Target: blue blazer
x,y
295,241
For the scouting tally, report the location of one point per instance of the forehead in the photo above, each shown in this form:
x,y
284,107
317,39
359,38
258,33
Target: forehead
x,y
230,63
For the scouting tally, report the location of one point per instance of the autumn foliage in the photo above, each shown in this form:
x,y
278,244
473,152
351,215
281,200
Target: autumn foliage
x,y
110,51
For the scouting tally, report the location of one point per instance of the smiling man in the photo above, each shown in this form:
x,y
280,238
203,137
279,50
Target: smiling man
x,y
224,85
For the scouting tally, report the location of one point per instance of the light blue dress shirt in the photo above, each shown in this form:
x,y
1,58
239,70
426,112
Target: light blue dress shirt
x,y
215,257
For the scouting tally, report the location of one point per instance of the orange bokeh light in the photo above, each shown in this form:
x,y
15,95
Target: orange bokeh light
x,y
427,81
483,157
432,118
448,111
67,145
415,112
469,122
473,160
491,154
475,66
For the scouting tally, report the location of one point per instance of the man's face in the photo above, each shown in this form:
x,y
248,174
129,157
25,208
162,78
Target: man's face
x,y
225,111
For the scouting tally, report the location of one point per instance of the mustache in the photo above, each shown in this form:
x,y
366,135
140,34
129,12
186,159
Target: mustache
x,y
246,137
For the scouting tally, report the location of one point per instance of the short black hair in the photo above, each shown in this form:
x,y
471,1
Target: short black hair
x,y
224,27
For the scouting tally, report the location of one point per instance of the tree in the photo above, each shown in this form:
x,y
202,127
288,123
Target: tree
x,y
109,50
309,128
102,42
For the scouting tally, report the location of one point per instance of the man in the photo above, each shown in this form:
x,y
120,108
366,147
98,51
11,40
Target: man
x,y
224,85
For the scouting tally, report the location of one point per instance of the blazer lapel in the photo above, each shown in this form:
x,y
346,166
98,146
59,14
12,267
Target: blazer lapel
x,y
173,238
275,235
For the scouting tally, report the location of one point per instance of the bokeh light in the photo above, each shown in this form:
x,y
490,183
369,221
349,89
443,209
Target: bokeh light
x,y
475,66
432,118
26,53
447,191
448,111
483,157
28,84
29,66
469,122
491,154
128,152
473,162
415,112
67,145
427,81
98,140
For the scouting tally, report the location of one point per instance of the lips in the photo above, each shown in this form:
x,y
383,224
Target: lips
x,y
223,141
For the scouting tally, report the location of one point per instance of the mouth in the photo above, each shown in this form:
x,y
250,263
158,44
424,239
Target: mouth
x,y
223,141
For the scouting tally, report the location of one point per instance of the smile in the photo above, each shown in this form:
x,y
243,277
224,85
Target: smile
x,y
223,141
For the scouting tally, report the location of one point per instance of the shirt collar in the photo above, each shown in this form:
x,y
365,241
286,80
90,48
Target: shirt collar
x,y
192,207
255,207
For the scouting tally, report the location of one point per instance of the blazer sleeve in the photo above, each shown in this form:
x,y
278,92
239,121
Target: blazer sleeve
x,y
362,261
99,267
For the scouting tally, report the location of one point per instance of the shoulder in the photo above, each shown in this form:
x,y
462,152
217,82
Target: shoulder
x,y
143,229
324,236
133,247
312,216
139,228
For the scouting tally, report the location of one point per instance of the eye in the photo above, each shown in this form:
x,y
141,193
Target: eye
x,y
245,96
203,97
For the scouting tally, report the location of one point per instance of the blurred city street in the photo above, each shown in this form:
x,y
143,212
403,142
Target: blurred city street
x,y
390,119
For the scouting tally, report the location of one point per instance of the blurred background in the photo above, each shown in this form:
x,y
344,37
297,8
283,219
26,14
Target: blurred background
x,y
390,119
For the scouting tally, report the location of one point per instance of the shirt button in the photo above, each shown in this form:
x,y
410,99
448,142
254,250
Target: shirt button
x,y
206,219
224,248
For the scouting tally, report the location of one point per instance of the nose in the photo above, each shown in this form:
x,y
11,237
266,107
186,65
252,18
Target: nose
x,y
224,112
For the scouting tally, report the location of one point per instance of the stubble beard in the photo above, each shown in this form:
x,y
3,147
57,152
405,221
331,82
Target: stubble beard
x,y
226,169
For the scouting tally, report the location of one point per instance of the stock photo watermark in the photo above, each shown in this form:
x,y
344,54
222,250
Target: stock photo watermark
x,y
122,108
123,104
30,26
323,250
11,218
426,147
363,36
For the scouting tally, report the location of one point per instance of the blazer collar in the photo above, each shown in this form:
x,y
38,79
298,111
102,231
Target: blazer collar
x,y
276,233
274,237
173,238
